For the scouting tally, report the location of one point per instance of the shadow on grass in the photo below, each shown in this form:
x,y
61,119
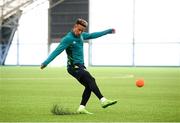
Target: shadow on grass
x,y
60,110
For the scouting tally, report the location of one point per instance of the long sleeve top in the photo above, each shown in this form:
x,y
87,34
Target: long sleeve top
x,y
74,46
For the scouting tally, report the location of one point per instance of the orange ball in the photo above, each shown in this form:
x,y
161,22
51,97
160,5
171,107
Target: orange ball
x,y
140,83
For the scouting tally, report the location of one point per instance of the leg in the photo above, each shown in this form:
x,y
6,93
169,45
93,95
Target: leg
x,y
84,77
77,73
85,96
93,86
90,81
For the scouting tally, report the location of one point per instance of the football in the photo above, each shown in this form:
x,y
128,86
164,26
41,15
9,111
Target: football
x,y
140,83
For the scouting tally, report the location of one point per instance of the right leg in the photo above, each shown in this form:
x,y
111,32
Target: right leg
x,y
85,96
87,79
84,77
77,73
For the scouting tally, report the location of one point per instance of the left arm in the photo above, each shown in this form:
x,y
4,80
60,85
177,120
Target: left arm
x,y
97,34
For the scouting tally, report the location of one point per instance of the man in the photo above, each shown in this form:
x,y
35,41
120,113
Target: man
x,y
73,44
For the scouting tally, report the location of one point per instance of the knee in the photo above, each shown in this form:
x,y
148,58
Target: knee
x,y
93,79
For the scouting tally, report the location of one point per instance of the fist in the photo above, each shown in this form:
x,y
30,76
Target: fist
x,y
113,31
43,66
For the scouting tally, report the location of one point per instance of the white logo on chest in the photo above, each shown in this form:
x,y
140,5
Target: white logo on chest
x,y
74,42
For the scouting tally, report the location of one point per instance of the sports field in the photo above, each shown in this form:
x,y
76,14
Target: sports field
x,y
27,94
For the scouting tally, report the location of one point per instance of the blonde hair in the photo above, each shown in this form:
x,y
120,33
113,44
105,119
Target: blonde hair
x,y
82,22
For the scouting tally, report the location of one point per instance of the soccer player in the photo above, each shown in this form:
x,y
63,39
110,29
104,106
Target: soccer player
x,y
72,42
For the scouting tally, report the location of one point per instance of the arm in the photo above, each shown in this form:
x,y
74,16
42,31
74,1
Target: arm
x,y
97,34
60,48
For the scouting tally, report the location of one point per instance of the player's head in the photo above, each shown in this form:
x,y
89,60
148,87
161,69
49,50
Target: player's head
x,y
82,22
80,26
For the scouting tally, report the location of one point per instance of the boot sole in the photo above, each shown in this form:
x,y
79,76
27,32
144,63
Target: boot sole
x,y
105,106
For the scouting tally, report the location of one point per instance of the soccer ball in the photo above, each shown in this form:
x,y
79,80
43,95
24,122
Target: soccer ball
x,y
140,83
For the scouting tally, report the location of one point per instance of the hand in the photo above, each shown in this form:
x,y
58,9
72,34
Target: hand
x,y
113,31
43,66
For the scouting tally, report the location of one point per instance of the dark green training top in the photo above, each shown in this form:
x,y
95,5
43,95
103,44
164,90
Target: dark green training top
x,y
74,46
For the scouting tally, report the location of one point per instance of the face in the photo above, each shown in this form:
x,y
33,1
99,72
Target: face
x,y
78,29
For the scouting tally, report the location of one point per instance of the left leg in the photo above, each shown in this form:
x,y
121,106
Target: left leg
x,y
85,78
88,79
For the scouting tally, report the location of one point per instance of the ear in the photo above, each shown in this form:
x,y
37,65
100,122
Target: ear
x,y
75,25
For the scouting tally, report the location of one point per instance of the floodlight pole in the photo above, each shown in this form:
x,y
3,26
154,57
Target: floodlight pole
x,y
49,21
17,46
133,44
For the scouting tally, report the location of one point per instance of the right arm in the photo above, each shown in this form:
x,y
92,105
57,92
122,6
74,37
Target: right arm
x,y
65,42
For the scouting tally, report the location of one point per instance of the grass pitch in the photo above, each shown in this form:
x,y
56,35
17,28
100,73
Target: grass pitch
x,y
28,94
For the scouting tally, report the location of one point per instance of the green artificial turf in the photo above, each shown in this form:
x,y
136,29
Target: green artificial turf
x,y
28,94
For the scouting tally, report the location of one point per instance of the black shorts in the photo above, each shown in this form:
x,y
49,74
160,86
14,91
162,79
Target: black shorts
x,y
78,71
85,78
